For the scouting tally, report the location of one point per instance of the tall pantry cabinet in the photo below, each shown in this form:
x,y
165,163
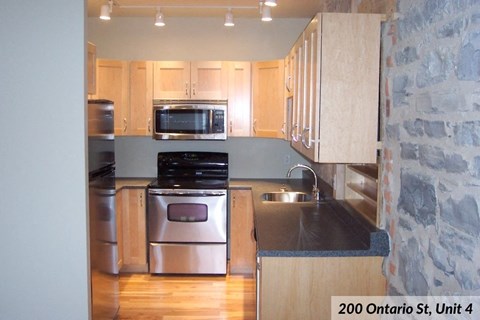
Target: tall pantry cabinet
x,y
335,89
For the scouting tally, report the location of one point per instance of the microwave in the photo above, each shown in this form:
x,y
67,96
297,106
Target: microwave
x,y
190,119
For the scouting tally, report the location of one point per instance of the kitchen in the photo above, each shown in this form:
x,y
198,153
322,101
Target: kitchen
x,y
51,296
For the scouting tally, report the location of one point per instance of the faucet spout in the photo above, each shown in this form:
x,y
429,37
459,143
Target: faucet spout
x,y
315,191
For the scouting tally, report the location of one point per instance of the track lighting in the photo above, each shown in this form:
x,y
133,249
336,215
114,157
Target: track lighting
x,y
159,21
266,15
264,5
105,10
229,19
270,3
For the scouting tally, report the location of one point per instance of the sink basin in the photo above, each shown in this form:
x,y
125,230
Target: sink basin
x,y
290,197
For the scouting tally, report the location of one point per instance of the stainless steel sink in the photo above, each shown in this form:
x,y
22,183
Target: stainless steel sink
x,y
287,196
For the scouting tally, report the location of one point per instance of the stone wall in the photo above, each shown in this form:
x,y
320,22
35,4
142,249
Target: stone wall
x,y
431,154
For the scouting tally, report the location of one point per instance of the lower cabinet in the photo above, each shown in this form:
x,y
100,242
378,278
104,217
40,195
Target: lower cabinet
x,y
131,222
302,287
242,241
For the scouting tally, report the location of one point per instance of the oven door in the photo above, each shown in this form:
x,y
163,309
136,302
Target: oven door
x,y
187,215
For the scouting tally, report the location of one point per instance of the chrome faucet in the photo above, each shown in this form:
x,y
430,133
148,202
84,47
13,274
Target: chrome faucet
x,y
315,191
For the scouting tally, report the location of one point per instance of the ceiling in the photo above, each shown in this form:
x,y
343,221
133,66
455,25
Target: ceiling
x,y
217,8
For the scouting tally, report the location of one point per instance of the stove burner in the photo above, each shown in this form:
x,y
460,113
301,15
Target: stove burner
x,y
191,170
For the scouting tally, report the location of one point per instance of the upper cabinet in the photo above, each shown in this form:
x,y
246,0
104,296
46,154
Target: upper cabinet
x,y
190,80
141,99
91,68
269,111
129,85
239,96
336,88
113,84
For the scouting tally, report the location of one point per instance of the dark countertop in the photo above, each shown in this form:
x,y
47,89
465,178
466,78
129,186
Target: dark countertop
x,y
329,228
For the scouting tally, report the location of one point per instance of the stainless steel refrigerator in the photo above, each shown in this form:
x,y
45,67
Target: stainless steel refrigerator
x,y
102,218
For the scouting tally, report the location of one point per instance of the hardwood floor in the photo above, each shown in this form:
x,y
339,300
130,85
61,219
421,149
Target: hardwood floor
x,y
150,297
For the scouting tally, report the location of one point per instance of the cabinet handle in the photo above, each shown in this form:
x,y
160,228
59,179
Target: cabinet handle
x,y
284,125
304,134
149,126
292,133
255,126
124,124
186,89
193,89
234,205
231,126
141,199
287,83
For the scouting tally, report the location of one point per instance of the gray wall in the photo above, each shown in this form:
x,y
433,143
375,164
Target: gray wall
x,y
43,212
248,157
431,158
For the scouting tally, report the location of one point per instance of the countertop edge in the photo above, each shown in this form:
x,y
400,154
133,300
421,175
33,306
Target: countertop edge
x,y
378,239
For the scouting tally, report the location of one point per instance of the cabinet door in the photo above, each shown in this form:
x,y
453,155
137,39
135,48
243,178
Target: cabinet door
x,y
119,219
298,84
134,230
310,91
112,84
171,80
91,68
209,80
242,242
141,95
268,98
302,287
350,61
239,107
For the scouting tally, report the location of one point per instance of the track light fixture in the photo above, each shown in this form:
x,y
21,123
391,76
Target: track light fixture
x,y
105,10
159,21
266,15
264,5
270,3
229,18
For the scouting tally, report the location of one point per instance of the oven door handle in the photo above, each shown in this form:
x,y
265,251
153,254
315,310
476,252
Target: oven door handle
x,y
188,193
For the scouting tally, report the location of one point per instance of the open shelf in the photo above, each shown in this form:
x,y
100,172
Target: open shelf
x,y
365,208
369,171
361,189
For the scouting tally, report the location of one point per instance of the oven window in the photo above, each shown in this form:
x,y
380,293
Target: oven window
x,y
187,212
182,121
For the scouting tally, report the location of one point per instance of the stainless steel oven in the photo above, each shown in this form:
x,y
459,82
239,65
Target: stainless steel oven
x,y
187,214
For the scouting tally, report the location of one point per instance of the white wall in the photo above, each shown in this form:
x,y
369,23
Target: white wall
x,y
43,218
193,39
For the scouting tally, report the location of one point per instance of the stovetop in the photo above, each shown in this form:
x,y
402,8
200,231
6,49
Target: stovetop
x,y
191,170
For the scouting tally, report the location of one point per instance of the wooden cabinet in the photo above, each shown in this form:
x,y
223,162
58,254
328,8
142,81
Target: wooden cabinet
x,y
239,99
190,80
129,85
336,88
119,219
139,120
113,84
302,287
297,61
91,68
361,189
268,99
242,241
131,208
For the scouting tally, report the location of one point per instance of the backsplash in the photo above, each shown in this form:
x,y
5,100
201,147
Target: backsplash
x,y
248,157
